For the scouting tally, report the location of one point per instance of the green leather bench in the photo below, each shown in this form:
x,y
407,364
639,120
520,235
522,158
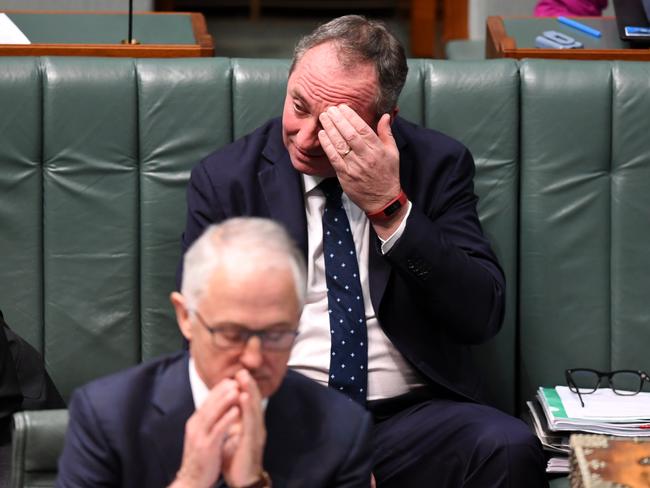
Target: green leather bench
x,y
95,154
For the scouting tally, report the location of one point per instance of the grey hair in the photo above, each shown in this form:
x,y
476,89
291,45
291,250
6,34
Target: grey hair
x,y
358,39
245,240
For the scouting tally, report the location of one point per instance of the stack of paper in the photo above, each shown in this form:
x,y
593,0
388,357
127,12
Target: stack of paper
x,y
555,444
556,413
604,412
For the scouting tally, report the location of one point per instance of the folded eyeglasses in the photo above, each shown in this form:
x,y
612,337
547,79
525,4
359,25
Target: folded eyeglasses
x,y
584,381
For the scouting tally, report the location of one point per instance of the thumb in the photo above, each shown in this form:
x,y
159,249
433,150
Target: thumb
x,y
384,131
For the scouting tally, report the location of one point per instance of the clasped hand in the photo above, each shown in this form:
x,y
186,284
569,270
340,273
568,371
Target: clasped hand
x,y
226,435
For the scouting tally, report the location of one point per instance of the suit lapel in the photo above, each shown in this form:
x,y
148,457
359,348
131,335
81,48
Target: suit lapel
x,y
172,405
284,446
282,188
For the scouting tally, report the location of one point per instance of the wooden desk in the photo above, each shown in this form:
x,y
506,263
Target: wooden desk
x,y
514,37
422,18
161,35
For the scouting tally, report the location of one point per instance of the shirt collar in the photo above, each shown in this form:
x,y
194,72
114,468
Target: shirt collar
x,y
310,182
199,389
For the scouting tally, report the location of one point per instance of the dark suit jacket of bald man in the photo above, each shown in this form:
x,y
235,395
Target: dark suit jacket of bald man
x,y
127,430
438,290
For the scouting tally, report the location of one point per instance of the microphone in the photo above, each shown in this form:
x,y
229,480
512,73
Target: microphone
x,y
130,39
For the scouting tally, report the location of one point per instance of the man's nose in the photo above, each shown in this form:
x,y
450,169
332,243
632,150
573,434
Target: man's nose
x,y
251,357
307,138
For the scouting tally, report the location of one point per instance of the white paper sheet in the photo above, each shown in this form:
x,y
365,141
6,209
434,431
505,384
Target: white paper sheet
x,y
10,33
605,404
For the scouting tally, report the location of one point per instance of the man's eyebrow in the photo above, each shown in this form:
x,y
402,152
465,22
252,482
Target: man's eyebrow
x,y
295,93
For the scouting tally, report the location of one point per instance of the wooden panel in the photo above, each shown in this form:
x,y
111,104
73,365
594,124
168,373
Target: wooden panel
x,y
497,41
203,47
500,45
423,28
455,20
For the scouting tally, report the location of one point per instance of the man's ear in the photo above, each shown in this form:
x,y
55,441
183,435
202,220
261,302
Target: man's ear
x,y
182,315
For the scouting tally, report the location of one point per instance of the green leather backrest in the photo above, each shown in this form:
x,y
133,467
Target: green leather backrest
x,y
94,158
184,111
477,103
585,218
37,441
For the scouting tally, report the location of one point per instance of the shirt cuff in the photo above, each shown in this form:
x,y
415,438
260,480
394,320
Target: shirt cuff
x,y
387,245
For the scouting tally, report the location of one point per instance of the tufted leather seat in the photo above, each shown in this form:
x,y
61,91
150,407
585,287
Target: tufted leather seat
x,y
95,155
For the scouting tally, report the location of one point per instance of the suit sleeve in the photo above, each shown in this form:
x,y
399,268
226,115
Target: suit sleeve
x,y
10,394
87,459
446,262
356,466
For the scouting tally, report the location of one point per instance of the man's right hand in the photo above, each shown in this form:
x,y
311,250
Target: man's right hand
x,y
205,434
244,449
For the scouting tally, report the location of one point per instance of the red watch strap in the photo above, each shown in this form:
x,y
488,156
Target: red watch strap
x,y
390,208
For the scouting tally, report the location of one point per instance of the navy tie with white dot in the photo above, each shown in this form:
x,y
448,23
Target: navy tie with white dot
x,y
349,351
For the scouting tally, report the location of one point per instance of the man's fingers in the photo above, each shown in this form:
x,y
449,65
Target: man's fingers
x,y
224,425
384,131
356,122
343,130
222,397
248,384
336,159
336,138
252,418
250,402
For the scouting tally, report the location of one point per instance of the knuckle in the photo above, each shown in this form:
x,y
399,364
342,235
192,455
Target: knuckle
x,y
353,137
341,146
365,131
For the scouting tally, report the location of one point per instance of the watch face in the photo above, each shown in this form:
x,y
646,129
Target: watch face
x,y
392,208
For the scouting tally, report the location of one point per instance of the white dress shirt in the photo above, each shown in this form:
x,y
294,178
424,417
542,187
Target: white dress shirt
x,y
199,389
389,374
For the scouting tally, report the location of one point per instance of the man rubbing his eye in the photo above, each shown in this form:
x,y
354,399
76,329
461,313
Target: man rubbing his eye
x,y
227,412
401,280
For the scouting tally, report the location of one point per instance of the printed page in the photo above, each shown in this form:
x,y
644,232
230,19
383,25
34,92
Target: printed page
x,y
604,404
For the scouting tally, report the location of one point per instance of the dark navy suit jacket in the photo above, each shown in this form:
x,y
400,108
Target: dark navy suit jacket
x,y
127,430
438,290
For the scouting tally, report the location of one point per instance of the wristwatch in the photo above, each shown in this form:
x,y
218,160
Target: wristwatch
x,y
390,208
264,481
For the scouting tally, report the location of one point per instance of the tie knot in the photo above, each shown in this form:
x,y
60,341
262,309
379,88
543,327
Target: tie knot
x,y
332,189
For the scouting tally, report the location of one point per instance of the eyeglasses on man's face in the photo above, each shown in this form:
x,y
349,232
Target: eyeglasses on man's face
x,y
236,336
624,382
